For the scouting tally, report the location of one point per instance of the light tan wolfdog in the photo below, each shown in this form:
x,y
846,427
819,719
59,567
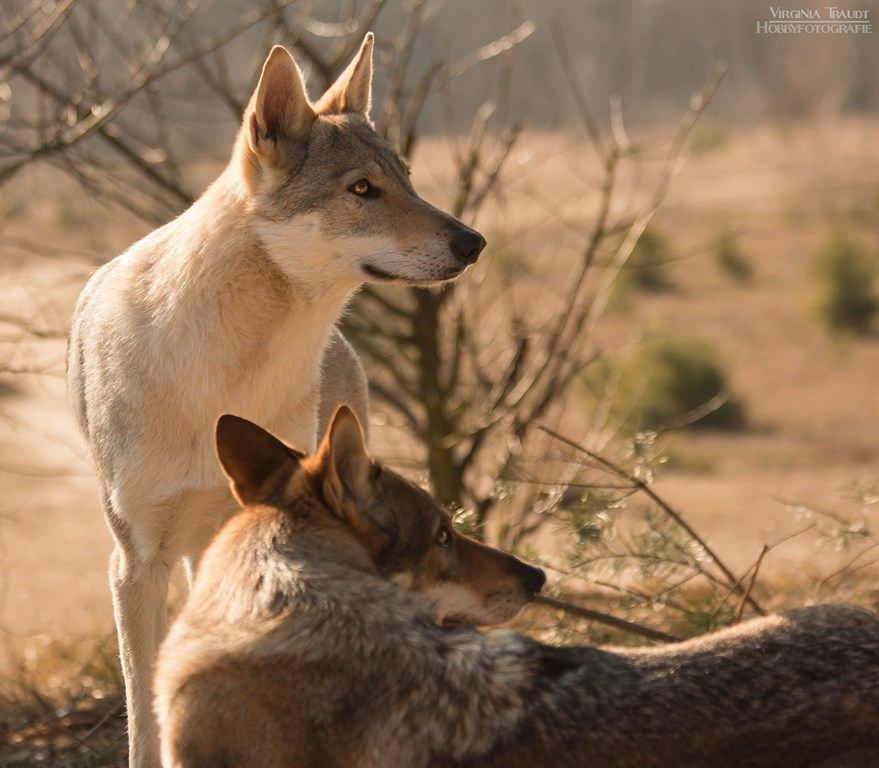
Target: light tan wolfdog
x,y
327,629
232,306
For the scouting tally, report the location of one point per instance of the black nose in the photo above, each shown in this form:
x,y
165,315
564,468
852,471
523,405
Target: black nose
x,y
534,579
467,244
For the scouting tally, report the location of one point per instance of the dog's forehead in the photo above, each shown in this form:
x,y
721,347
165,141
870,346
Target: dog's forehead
x,y
417,518
339,144
344,142
416,501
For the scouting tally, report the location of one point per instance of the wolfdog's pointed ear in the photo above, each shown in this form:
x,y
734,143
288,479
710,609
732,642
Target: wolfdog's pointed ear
x,y
280,107
345,463
254,460
352,91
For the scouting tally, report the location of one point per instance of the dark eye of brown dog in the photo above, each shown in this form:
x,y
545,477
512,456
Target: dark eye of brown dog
x,y
444,537
362,188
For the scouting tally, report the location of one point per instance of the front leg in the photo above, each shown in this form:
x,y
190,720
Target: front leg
x,y
343,381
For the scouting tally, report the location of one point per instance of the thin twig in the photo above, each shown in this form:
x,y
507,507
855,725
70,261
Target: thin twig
x,y
663,505
741,609
606,618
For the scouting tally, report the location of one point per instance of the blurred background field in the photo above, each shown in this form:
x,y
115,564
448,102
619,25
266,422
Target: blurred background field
x,y
729,361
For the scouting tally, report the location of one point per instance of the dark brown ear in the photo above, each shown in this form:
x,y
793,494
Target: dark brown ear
x,y
255,461
352,91
345,464
279,108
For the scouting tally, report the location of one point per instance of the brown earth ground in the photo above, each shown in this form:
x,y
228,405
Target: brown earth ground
x,y
813,403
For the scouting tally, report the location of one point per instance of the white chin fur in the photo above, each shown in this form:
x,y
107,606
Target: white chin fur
x,y
456,603
310,257
408,277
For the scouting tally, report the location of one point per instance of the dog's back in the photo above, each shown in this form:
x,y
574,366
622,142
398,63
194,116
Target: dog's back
x,y
784,691
793,690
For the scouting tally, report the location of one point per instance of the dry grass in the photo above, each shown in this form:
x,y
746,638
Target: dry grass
x,y
64,707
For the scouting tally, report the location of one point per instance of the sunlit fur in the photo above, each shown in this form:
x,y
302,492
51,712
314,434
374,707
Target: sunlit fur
x,y
233,307
311,640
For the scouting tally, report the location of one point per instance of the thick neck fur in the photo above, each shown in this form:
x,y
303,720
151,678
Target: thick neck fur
x,y
213,257
300,564
222,316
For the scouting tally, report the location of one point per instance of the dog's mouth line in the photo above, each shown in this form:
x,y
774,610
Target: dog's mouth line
x,y
501,605
379,274
503,596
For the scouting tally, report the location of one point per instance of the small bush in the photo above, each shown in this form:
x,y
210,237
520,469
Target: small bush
x,y
731,259
68,216
707,136
11,206
667,381
512,260
646,268
845,277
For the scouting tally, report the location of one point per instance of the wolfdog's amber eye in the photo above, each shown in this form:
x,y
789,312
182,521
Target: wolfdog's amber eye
x,y
361,187
443,537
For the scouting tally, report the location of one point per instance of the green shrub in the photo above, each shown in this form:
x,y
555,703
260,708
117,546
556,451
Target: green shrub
x,y
666,383
731,259
647,268
707,135
11,206
845,277
69,216
512,260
